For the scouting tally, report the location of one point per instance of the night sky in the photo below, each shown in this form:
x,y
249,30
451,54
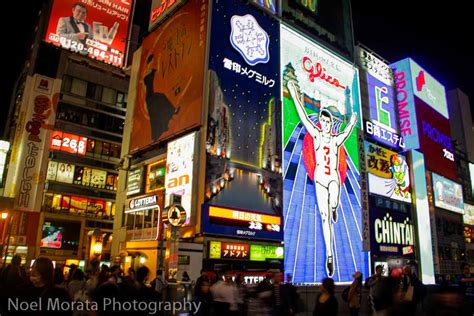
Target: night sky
x,y
436,35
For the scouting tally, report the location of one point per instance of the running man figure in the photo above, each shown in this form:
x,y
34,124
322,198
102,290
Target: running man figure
x,y
326,173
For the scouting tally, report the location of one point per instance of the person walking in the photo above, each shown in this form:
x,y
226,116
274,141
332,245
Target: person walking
x,y
413,292
354,297
326,302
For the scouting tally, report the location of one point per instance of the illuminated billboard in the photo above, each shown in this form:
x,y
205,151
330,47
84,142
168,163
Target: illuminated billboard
x,y
161,9
4,147
388,173
69,143
270,5
134,181
468,217
243,148
28,159
60,235
225,250
392,232
435,140
94,28
169,85
179,172
471,174
240,223
322,196
447,194
329,20
265,252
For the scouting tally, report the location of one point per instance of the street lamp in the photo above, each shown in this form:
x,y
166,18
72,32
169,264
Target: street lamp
x,y
4,215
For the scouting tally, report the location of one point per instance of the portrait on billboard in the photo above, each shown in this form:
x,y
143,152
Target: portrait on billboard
x,y
243,165
322,196
97,29
169,87
65,172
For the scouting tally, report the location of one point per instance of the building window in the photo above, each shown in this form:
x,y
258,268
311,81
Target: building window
x,y
79,87
109,96
143,224
66,84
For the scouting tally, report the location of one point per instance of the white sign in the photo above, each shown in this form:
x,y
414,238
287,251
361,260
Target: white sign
x,y
28,162
179,172
143,203
375,66
4,147
249,39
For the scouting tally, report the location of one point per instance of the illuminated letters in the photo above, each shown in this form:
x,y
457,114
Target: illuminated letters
x,y
178,181
389,232
402,96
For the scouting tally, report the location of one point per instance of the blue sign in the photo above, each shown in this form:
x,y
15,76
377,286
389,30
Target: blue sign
x,y
243,142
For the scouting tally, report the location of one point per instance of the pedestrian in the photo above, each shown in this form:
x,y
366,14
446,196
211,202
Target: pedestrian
x,y
290,303
159,284
379,296
14,275
223,295
203,277
326,302
413,291
354,297
185,277
202,298
76,283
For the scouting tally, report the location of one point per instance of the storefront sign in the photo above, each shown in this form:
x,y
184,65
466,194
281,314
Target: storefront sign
x,y
134,181
69,143
160,9
142,203
235,251
447,194
468,217
4,147
264,252
233,222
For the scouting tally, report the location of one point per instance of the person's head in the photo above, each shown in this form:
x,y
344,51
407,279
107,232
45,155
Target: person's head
x,y
328,286
42,272
16,260
185,273
357,277
202,288
325,119
115,270
379,269
203,272
78,275
289,278
142,274
465,268
79,11
62,167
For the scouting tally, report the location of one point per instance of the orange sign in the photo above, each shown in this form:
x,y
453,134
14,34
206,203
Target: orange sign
x,y
226,213
169,87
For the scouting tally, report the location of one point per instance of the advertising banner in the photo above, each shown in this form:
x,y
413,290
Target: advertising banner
x,y
389,174
69,143
468,217
243,134
435,140
61,235
4,147
134,181
179,172
447,194
28,160
169,87
264,252
240,223
65,172
94,28
322,196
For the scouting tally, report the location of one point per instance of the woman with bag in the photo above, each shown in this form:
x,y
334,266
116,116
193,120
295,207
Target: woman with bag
x,y
354,295
412,292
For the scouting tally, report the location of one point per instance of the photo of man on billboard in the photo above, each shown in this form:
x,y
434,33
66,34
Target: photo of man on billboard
x,y
75,27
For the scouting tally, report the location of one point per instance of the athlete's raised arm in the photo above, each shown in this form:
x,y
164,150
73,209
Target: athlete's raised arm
x,y
341,138
299,104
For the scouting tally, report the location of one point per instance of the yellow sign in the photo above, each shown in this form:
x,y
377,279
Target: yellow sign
x,y
379,161
214,250
243,216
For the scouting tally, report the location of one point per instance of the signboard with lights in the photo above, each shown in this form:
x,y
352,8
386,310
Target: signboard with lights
x,y
69,143
4,147
321,165
243,155
447,194
97,29
468,217
264,252
388,173
134,181
161,9
240,223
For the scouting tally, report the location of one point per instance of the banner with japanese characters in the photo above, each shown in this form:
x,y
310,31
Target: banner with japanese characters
x,y
243,134
388,173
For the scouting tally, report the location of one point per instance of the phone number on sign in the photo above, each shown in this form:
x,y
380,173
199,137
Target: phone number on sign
x,y
93,49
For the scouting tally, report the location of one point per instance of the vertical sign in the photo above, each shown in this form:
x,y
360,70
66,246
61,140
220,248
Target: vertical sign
x,y
28,163
364,188
179,172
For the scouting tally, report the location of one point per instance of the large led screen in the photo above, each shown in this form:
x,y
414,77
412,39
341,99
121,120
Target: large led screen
x,y
170,79
243,169
62,235
93,28
322,195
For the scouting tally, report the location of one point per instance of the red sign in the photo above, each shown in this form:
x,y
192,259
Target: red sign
x,y
94,28
69,143
160,9
235,251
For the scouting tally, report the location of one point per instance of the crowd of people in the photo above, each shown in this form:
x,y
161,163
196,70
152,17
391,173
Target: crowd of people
x,y
212,293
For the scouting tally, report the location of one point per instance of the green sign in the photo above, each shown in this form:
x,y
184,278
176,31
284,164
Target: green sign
x,y
262,253
214,250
